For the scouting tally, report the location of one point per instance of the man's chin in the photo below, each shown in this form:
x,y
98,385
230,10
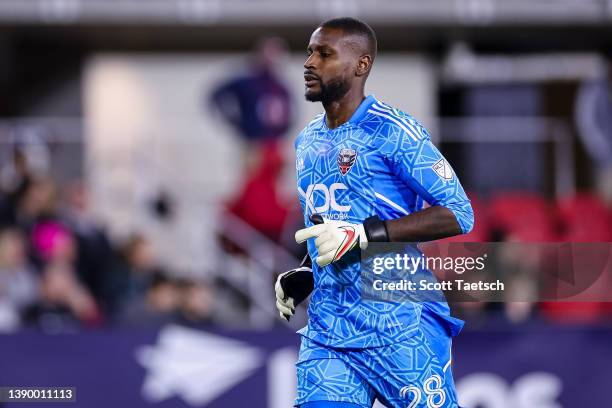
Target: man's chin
x,y
313,96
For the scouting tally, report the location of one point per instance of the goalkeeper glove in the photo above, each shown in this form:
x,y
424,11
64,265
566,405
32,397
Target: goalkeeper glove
x,y
335,238
292,287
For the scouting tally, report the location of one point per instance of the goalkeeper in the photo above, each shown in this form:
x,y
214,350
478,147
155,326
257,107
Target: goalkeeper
x,y
365,172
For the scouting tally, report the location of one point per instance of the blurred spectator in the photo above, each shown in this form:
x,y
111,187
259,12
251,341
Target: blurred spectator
x,y
196,302
259,202
13,176
158,305
135,272
163,296
15,173
66,303
34,201
257,103
19,284
170,301
94,252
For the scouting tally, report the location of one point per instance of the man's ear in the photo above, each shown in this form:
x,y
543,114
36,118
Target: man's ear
x,y
363,65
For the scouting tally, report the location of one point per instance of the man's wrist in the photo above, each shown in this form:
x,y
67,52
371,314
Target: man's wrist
x,y
375,229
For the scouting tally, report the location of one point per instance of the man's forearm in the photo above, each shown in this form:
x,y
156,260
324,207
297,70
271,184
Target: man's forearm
x,y
431,223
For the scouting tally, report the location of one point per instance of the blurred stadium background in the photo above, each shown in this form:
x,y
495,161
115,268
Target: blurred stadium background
x,y
147,197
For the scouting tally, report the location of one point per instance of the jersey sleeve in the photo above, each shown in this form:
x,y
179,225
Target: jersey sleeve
x,y
418,163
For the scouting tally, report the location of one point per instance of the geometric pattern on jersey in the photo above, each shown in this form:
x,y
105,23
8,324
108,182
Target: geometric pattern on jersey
x,y
412,373
395,170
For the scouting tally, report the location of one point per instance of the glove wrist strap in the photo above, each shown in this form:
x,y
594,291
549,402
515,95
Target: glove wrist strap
x,y
375,229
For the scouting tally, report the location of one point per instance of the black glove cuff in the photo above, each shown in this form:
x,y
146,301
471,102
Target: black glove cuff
x,y
297,284
375,229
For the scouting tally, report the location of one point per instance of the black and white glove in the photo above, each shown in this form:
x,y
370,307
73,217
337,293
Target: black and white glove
x,y
292,287
333,240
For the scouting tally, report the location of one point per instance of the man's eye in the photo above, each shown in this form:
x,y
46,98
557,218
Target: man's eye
x,y
325,54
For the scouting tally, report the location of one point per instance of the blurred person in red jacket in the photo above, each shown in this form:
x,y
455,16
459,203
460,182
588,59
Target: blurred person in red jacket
x,y
259,202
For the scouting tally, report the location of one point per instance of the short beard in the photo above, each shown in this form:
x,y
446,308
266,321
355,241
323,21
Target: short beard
x,y
330,92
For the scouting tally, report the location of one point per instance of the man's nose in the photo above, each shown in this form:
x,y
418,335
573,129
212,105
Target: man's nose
x,y
309,63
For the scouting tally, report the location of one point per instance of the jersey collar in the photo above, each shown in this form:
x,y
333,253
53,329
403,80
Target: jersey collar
x,y
357,115
362,109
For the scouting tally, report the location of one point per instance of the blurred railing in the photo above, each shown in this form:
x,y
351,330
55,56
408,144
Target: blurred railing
x,y
253,275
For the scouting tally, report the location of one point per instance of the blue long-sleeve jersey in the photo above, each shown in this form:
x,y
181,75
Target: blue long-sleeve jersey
x,y
381,162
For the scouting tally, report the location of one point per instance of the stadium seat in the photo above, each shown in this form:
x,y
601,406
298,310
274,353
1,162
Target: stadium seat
x,y
523,216
585,218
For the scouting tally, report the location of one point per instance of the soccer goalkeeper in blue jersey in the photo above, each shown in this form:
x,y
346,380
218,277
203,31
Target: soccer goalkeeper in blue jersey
x,y
364,172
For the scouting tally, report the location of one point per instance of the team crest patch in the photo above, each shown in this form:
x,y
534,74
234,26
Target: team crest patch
x,y
346,159
443,169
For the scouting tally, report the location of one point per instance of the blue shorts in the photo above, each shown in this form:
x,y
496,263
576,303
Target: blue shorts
x,y
414,373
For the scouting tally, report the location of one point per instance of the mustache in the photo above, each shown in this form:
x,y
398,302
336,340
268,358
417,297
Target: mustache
x,y
310,75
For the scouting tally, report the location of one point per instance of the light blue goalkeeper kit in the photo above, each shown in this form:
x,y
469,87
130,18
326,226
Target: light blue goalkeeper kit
x,y
381,162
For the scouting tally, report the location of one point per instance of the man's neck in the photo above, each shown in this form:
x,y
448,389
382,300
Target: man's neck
x,y
339,112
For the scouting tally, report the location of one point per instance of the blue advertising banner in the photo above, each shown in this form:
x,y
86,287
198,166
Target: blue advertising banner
x,y
179,367
533,368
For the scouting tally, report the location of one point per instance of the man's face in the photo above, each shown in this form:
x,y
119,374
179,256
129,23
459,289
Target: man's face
x,y
329,68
